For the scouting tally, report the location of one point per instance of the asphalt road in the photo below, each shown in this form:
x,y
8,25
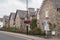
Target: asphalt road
x,y
8,37
15,36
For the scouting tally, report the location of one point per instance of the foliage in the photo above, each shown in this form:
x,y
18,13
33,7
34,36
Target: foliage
x,y
12,29
3,28
36,31
33,23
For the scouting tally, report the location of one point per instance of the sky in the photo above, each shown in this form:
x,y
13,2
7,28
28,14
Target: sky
x,y
8,6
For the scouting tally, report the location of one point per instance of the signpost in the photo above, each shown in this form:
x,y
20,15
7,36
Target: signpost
x,y
27,24
27,21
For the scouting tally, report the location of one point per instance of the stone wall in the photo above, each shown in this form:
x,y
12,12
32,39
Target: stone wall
x,y
49,7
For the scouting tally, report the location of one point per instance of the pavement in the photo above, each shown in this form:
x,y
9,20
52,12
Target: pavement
x,y
16,36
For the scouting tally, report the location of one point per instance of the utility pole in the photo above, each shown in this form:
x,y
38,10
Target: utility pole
x,y
27,13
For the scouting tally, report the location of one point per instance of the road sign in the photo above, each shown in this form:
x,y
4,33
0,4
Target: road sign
x,y
27,21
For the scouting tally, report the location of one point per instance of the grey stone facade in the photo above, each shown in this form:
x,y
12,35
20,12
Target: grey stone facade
x,y
6,21
51,7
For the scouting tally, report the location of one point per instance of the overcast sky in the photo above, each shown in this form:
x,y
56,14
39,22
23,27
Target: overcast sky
x,y
7,6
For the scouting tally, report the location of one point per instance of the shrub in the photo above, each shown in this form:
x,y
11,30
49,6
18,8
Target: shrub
x,y
2,29
36,31
31,32
13,29
33,23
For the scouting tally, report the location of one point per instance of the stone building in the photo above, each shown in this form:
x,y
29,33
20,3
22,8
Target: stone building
x,y
50,12
6,21
19,19
12,19
21,16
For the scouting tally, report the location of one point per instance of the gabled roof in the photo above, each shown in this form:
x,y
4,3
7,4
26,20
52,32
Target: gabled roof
x,y
12,15
23,14
32,13
6,18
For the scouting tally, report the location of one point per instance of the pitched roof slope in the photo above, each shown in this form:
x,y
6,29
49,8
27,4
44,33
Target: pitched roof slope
x,y
12,15
21,13
6,18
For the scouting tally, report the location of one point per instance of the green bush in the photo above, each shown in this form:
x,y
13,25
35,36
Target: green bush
x,y
36,31
3,28
33,23
31,32
13,29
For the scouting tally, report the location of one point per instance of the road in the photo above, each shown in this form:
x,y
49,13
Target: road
x,y
15,36
8,37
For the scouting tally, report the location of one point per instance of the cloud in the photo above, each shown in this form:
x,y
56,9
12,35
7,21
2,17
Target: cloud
x,y
33,3
24,1
10,6
36,3
2,1
7,6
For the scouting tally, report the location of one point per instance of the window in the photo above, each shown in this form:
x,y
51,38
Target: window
x,y
58,9
46,13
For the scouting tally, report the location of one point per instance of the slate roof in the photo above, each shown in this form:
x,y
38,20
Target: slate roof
x,y
23,13
6,18
32,13
12,15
